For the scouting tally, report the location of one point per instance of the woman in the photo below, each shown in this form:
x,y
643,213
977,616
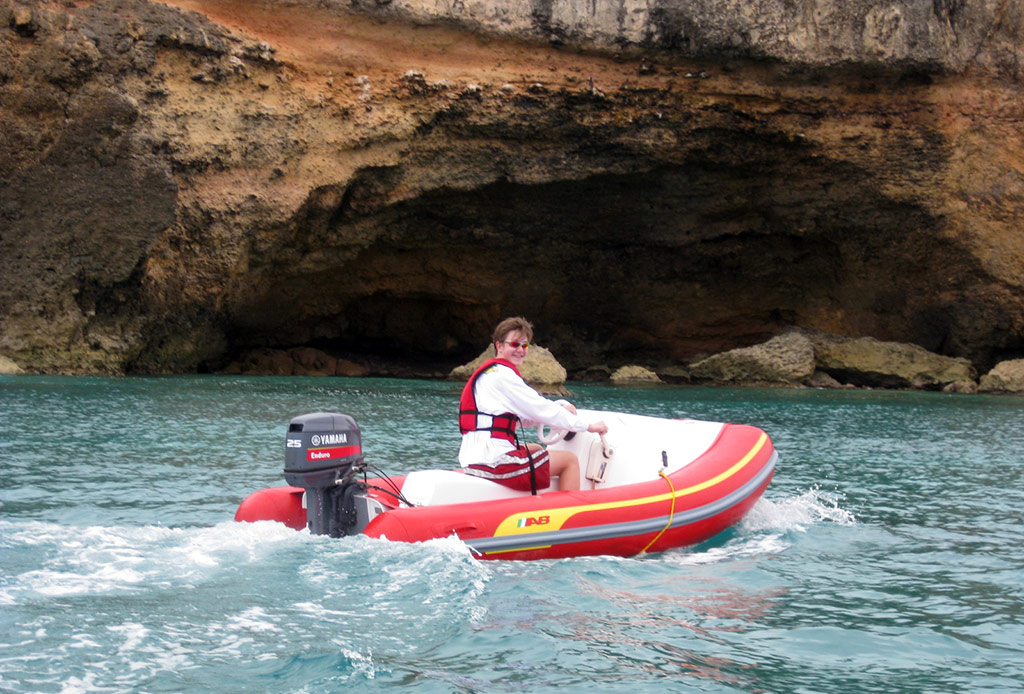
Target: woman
x,y
495,401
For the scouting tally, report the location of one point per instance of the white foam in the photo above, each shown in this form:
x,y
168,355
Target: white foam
x,y
253,620
133,633
80,685
751,547
362,663
763,530
110,559
797,513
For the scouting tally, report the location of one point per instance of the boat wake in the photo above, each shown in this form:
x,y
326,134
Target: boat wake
x,y
797,514
49,561
54,561
769,527
145,601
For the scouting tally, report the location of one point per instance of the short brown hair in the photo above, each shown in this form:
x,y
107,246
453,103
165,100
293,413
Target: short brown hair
x,y
510,324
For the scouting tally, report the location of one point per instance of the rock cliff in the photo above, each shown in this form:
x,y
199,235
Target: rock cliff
x,y
183,184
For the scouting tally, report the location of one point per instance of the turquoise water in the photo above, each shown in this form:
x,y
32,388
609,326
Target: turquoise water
x,y
886,555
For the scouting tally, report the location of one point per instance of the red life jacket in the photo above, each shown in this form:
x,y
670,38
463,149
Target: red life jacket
x,y
501,426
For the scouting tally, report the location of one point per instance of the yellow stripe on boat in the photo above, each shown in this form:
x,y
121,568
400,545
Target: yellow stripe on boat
x,y
545,520
515,549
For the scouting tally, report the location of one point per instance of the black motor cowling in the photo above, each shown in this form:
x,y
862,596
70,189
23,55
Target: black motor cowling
x,y
323,453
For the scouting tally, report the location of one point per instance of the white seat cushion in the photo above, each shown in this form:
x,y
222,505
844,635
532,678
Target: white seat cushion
x,y
438,487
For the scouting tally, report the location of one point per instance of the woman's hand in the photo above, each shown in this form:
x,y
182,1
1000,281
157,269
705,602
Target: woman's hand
x,y
598,428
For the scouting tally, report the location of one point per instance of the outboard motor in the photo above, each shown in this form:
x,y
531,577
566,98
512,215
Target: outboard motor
x,y
323,455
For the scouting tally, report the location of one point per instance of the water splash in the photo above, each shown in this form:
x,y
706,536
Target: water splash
x,y
797,514
99,560
763,531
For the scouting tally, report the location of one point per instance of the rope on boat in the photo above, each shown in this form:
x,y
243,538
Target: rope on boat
x,y
671,513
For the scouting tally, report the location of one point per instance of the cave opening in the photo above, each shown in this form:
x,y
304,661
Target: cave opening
x,y
658,265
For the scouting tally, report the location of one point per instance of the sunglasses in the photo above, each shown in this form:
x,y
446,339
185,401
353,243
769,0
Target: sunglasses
x,y
515,344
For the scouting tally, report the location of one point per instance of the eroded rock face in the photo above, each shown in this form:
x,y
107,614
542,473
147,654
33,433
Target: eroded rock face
x,y
634,373
949,35
183,185
870,362
1005,377
823,360
787,358
298,361
8,367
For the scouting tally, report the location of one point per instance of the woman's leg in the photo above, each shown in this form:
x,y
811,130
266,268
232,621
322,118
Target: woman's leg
x,y
566,466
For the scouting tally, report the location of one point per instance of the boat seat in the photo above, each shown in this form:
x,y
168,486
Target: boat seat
x,y
437,487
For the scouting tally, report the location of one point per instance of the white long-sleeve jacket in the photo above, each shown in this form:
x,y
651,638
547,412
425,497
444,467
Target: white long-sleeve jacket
x,y
500,390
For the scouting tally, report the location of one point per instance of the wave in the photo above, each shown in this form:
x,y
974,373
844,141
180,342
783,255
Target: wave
x,y
54,561
58,561
51,561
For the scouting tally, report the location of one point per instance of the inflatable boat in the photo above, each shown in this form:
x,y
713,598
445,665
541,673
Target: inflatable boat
x,y
649,485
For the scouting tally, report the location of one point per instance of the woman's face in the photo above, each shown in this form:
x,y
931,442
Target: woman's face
x,y
515,354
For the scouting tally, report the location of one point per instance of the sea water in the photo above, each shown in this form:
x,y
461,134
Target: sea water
x,y
886,556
